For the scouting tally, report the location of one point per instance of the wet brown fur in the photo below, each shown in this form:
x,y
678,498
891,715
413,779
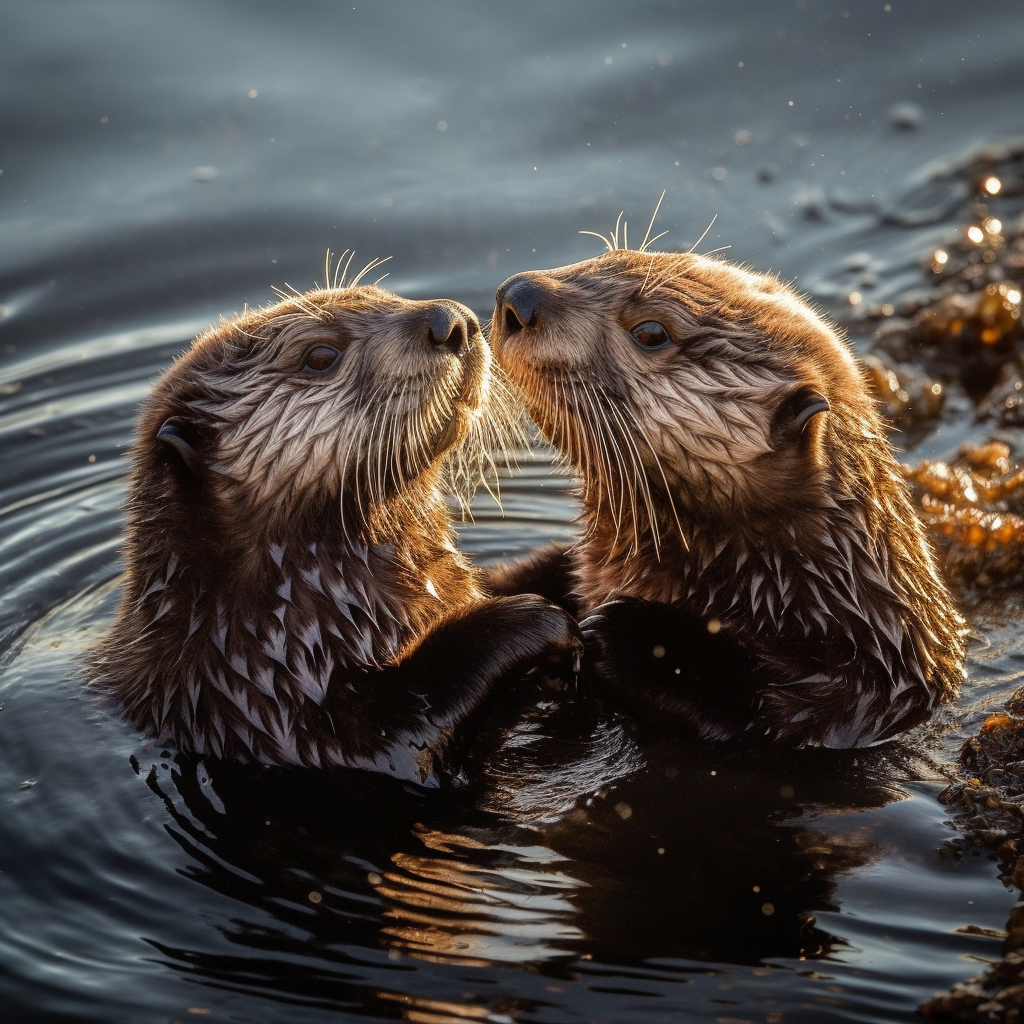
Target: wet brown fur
x,y
298,538
698,490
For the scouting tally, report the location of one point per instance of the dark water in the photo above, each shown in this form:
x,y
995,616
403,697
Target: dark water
x,y
162,164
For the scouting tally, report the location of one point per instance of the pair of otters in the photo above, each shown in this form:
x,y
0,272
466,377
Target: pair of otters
x,y
751,567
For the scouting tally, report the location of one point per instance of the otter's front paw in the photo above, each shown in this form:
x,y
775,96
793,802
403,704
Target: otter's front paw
x,y
628,637
542,633
670,666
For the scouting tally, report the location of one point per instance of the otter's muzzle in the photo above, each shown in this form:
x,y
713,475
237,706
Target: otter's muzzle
x,y
518,301
451,327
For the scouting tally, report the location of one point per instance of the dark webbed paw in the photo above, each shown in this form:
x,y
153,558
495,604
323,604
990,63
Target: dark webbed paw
x,y
671,668
539,633
408,718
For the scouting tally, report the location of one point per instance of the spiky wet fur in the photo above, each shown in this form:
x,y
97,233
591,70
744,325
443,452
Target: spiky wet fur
x,y
803,545
306,539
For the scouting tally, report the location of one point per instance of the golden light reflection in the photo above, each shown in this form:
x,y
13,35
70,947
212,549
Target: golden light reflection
x,y
420,1010
975,234
992,185
983,542
478,905
998,312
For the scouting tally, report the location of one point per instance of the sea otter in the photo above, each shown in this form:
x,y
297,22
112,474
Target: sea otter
x,y
293,594
750,564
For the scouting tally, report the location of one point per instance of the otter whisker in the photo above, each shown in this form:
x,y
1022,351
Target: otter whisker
x,y
650,267
606,479
624,481
403,463
373,472
640,478
664,479
327,269
608,242
611,241
341,270
579,454
610,482
615,488
291,294
370,500
703,235
650,227
372,265
486,438
621,483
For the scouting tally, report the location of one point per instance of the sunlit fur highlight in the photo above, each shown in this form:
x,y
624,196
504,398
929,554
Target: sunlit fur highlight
x,y
310,540
807,548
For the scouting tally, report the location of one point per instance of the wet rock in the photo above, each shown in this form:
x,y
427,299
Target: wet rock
x,y
997,996
974,509
988,807
964,326
908,398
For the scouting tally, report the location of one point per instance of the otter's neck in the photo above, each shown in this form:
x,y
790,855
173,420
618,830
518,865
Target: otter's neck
x,y
234,656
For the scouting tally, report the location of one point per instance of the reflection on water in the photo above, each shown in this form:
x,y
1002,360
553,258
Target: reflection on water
x,y
480,904
696,862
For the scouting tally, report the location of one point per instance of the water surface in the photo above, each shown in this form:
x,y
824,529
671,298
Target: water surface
x,y
162,165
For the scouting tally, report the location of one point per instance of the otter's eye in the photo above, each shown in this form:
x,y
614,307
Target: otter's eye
x,y
321,359
650,335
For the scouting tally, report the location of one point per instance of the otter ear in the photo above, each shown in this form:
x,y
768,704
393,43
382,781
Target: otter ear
x,y
177,431
798,420
808,405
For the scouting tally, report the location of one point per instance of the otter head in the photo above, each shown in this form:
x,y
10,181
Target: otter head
x,y
676,381
339,399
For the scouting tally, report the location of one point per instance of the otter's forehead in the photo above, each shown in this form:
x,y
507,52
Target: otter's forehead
x,y
347,315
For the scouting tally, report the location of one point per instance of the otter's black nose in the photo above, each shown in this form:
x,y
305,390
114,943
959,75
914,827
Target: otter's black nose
x,y
518,299
451,327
